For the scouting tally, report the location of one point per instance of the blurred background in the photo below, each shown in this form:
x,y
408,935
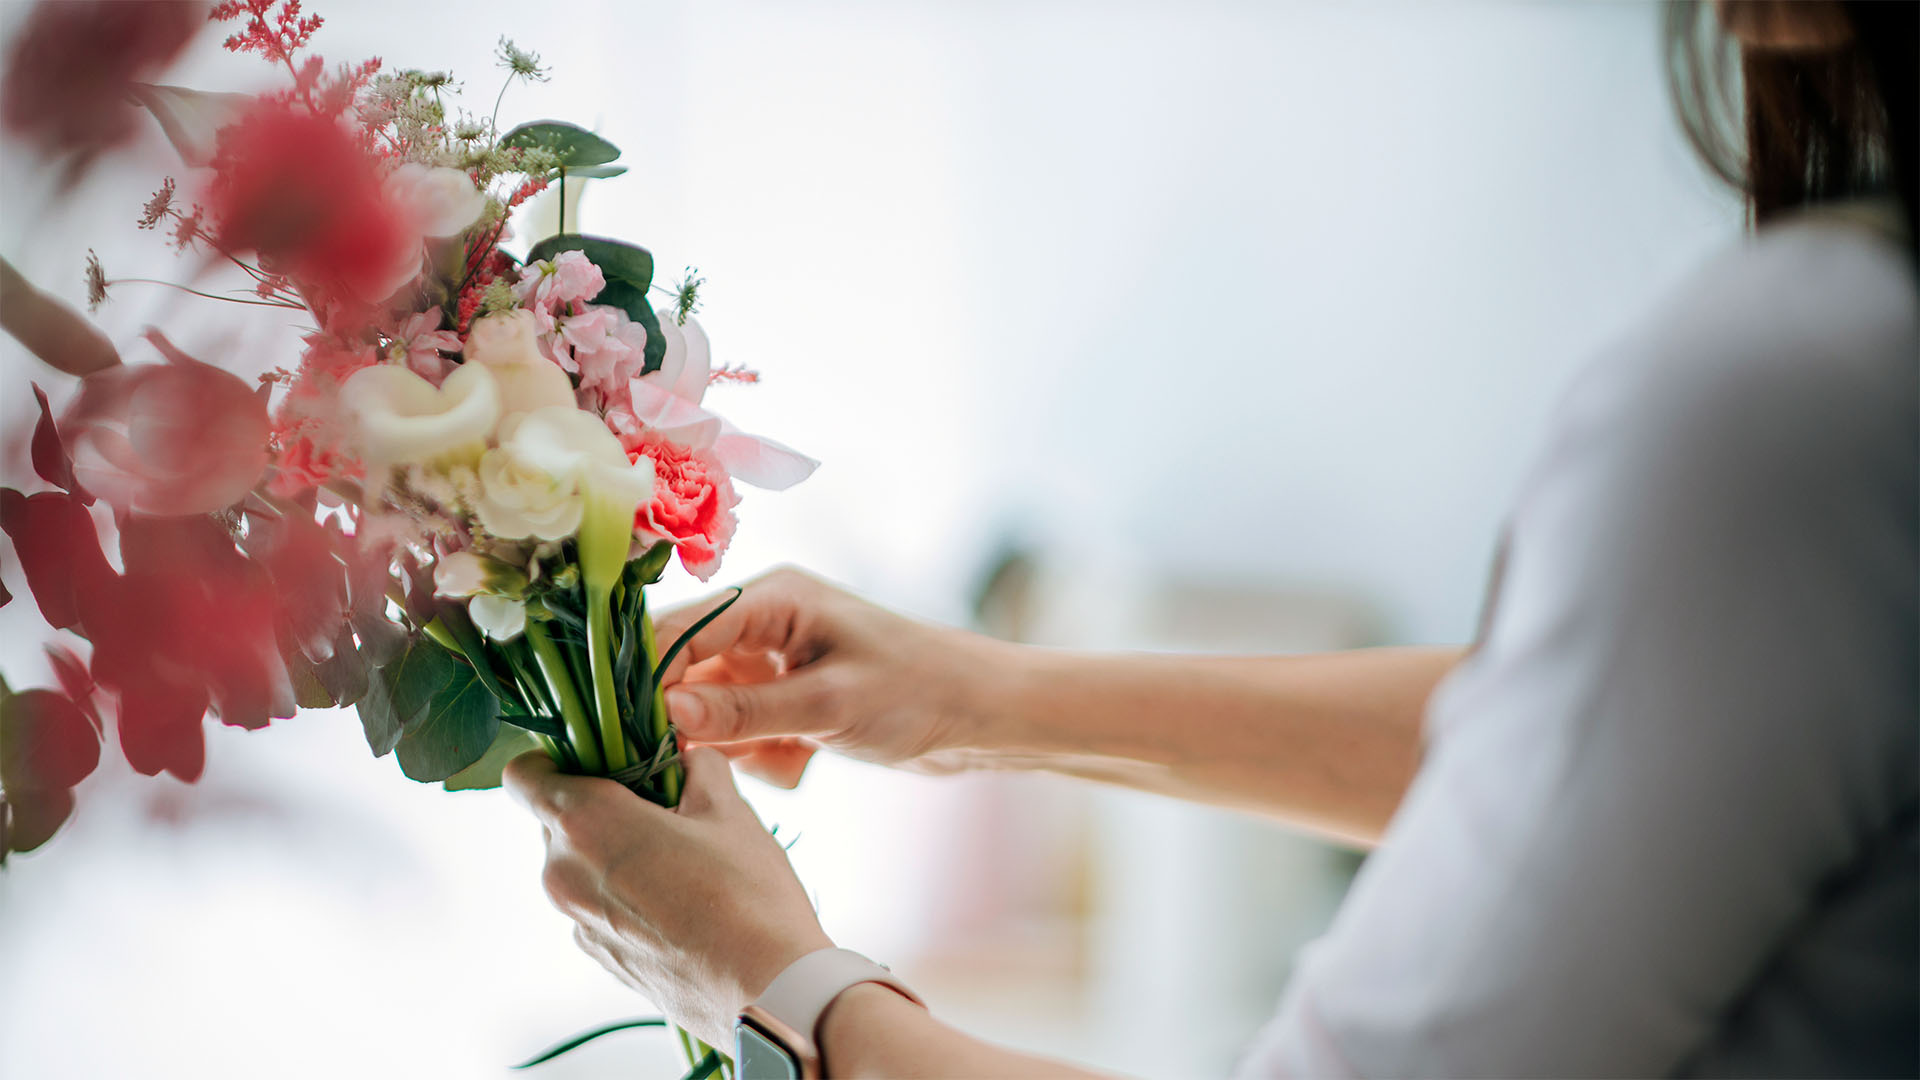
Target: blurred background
x,y
1187,326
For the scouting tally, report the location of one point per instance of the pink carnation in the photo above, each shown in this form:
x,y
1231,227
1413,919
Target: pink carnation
x,y
692,505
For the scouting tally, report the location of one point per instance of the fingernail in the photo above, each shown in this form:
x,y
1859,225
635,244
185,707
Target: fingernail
x,y
685,709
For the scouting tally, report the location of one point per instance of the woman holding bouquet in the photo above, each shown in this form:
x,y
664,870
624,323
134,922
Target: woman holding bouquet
x,y
1660,818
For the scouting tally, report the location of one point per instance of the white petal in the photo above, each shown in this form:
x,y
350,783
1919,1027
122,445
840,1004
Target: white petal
x,y
500,618
402,418
192,119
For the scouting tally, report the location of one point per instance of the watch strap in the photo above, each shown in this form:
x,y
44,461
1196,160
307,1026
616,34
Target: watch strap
x,y
799,996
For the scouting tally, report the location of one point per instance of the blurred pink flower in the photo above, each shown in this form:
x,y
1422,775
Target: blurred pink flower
x,y
181,437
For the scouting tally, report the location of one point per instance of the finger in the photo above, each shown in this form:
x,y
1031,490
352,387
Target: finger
x,y
560,801
718,712
710,791
780,762
769,616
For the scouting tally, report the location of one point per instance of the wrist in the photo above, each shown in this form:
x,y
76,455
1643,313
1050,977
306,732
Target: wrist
x,y
851,1032
992,681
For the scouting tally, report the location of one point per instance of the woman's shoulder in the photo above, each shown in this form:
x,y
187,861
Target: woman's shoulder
x,y
1793,354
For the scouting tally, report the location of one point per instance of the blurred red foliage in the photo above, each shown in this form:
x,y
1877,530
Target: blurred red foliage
x,y
68,76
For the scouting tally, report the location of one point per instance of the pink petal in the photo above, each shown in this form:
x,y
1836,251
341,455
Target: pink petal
x,y
762,462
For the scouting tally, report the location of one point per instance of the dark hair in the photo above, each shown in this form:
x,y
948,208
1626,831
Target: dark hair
x,y
1793,128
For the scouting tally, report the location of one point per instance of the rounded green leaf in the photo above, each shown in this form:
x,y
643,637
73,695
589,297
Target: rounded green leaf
x,y
574,146
617,260
455,732
589,172
484,775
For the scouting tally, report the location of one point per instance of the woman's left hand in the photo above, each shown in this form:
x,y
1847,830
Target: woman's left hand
x,y
696,908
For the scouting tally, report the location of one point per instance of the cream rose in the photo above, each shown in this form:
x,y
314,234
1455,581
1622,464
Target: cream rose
x,y
552,466
504,343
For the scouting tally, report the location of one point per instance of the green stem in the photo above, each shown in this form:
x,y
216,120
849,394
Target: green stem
x,y
657,717
586,745
600,657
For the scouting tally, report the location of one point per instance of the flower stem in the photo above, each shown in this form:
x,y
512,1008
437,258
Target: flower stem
x,y
586,745
606,703
657,717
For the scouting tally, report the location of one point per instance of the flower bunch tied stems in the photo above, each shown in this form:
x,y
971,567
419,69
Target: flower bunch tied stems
x,y
446,507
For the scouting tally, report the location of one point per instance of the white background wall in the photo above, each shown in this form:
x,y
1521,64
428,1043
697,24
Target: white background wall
x,y
1277,294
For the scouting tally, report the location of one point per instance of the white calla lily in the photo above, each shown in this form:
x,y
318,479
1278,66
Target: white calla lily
x,y
402,419
442,201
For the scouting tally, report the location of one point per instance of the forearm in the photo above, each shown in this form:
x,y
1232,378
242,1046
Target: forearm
x,y
870,1031
1328,742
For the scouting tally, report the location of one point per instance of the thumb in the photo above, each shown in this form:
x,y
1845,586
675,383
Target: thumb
x,y
721,712
710,790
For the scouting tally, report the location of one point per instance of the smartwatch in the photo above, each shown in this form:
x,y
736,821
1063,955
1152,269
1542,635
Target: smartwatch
x,y
777,1037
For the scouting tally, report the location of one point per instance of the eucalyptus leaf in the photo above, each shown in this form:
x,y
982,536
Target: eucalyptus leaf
x,y
587,172
399,694
616,259
575,147
454,731
484,775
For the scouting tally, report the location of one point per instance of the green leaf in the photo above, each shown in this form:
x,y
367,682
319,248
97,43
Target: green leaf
x,y
484,775
308,691
666,658
398,695
574,146
457,727
588,172
586,1037
647,569
616,259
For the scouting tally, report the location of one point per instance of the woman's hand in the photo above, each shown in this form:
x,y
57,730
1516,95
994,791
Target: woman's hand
x,y
696,908
797,663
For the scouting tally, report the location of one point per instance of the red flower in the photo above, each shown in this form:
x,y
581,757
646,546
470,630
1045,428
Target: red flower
x,y
301,191
73,66
692,505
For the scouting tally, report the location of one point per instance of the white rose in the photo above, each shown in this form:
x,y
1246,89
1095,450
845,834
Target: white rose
x,y
505,344
501,618
441,201
402,419
551,464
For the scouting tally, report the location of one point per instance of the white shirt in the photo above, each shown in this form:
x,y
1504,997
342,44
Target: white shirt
x,y
1666,823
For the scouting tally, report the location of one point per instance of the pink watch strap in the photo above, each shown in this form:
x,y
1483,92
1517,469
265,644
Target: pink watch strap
x,y
799,996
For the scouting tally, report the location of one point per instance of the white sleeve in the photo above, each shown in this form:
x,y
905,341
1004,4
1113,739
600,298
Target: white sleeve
x,y
1695,702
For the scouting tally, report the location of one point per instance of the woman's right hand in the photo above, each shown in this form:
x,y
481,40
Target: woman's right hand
x,y
796,664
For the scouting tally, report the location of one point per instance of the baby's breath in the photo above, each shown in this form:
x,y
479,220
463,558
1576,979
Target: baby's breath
x,y
521,62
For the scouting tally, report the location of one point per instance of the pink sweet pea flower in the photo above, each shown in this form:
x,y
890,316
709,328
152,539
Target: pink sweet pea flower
x,y
549,286
420,341
602,346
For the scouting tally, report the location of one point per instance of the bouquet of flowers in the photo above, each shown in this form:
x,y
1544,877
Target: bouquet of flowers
x,y
445,513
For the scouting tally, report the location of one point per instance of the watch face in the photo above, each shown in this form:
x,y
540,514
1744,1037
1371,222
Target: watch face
x,y
756,1057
